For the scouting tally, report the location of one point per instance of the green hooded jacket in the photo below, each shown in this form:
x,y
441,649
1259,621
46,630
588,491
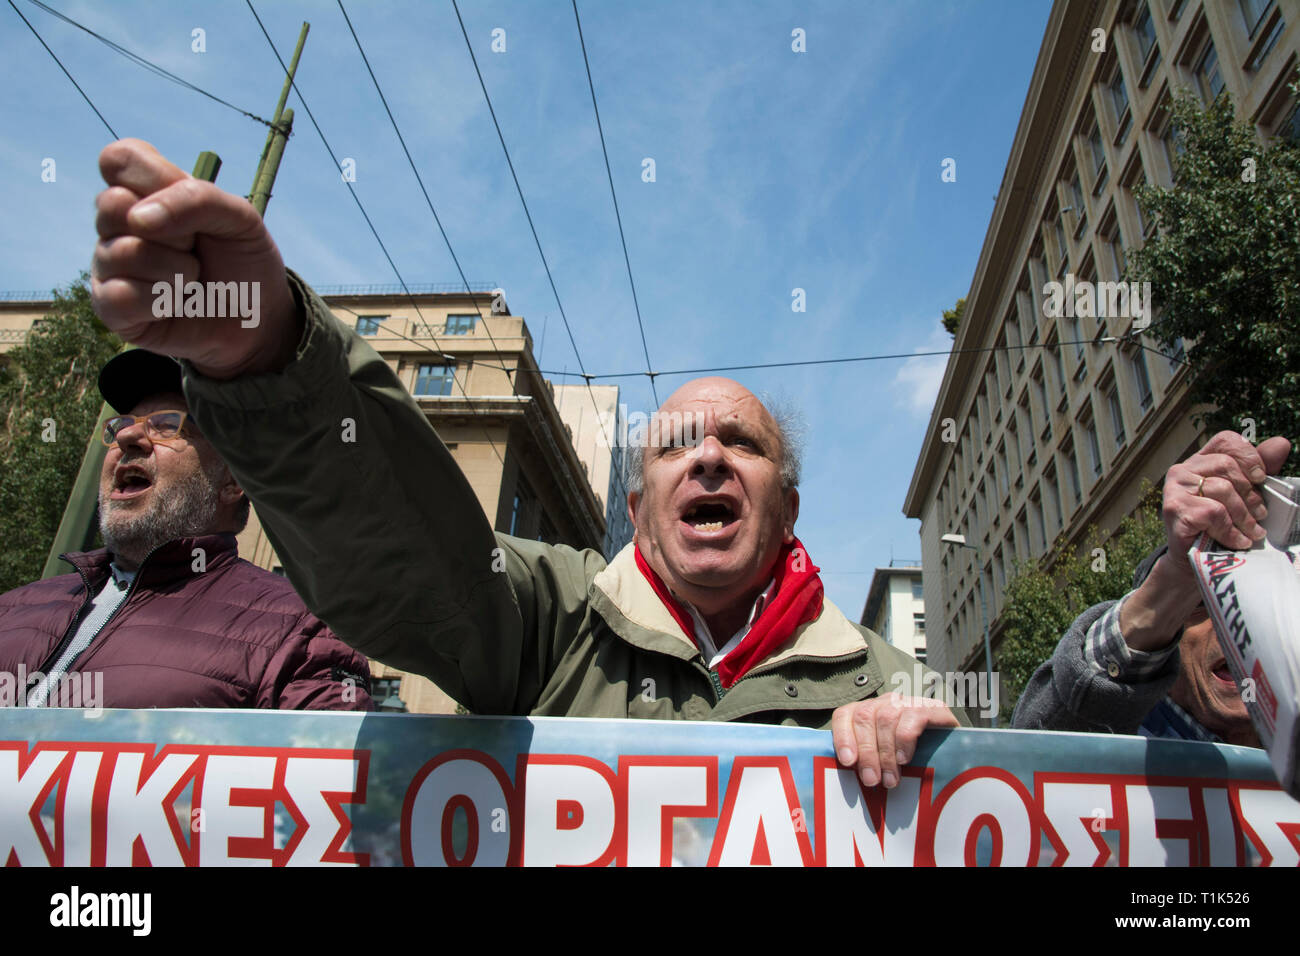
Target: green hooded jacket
x,y
394,552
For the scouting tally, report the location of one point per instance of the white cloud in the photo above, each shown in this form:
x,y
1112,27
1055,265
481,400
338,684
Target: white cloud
x,y
917,381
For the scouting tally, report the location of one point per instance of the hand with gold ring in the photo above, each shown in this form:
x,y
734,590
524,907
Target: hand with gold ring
x,y
1214,491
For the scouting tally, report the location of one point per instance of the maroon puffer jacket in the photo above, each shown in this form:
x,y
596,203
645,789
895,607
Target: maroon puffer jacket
x,y
231,635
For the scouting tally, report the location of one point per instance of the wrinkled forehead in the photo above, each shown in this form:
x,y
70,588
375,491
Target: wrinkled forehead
x,y
722,402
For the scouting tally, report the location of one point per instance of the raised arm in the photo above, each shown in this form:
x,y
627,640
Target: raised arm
x,y
378,529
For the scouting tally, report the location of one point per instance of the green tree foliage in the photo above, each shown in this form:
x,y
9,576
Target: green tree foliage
x,y
50,404
952,317
1224,269
1038,606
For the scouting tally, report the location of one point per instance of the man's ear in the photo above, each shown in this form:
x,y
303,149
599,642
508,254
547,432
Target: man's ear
x,y
230,492
791,513
633,502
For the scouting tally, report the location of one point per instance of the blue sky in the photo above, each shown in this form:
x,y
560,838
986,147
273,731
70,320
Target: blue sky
x,y
775,170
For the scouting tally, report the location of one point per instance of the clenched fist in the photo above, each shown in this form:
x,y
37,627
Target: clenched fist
x,y
155,223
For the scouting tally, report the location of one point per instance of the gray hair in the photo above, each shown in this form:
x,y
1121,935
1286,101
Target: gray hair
x,y
791,429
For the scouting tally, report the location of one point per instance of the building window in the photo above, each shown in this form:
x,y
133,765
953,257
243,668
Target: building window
x,y
1171,141
1266,47
1027,410
1145,30
1094,447
1080,209
1038,521
1146,226
1062,250
1289,129
1041,391
1076,336
1208,78
1143,380
1254,11
385,691
522,508
1116,415
1177,356
1012,323
1119,103
1002,469
435,378
369,324
1098,153
460,324
1073,462
918,624
918,589
1054,498
1113,244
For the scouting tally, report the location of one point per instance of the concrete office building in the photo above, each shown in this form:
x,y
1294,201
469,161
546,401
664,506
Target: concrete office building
x,y
1042,437
895,607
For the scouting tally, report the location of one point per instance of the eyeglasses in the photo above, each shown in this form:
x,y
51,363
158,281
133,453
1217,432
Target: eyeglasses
x,y
159,426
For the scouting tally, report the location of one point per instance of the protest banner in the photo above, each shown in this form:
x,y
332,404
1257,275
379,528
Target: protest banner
x,y
271,788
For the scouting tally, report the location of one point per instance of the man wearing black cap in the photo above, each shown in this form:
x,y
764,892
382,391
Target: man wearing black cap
x,y
1150,663
167,614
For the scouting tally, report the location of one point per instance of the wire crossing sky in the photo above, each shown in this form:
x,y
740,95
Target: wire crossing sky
x,y
751,179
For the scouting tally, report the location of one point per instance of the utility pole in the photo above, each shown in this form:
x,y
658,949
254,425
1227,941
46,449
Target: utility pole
x,y
281,128
77,527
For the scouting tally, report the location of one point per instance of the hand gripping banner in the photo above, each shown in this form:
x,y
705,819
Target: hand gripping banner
x,y
277,788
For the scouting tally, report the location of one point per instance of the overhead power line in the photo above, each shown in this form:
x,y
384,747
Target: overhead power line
x,y
616,471
858,358
357,199
65,72
418,178
140,61
617,215
513,175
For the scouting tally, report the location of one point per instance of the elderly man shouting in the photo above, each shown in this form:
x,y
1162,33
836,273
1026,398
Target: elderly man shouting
x,y
715,612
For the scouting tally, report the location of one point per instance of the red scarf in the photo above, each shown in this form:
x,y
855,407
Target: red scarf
x,y
796,601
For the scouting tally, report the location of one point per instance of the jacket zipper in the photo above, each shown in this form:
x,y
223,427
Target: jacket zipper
x,y
718,690
72,628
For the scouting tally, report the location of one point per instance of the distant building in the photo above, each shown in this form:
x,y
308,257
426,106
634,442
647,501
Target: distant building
x,y
1045,424
20,312
895,608
590,414
618,526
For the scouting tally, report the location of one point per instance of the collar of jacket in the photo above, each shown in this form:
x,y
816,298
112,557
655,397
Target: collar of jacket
x,y
167,563
627,602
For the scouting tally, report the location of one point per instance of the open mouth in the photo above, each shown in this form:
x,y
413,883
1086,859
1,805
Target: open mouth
x,y
1222,673
708,516
130,483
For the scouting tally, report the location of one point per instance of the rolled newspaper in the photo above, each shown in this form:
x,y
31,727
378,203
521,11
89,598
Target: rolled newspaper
x,y
1253,598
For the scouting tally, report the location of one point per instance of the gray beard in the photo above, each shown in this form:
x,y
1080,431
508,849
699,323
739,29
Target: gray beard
x,y
188,509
